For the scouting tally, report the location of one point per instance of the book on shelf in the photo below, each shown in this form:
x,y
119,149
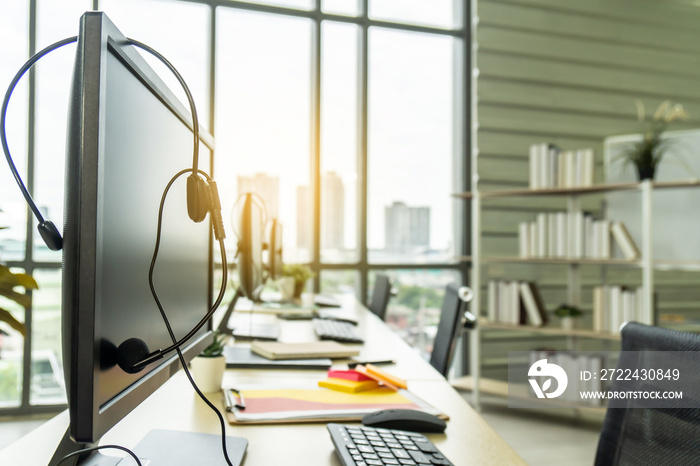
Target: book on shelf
x,y
515,303
533,304
615,304
573,235
624,241
551,167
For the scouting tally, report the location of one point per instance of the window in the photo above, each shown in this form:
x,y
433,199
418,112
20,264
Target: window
x,y
263,86
342,120
410,147
339,180
414,312
14,29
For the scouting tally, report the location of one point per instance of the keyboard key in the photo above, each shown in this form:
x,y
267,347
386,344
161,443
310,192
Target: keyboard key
x,y
390,461
426,447
374,463
365,449
399,453
419,457
407,461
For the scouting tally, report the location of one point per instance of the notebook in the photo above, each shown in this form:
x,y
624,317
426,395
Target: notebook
x,y
321,405
243,358
320,349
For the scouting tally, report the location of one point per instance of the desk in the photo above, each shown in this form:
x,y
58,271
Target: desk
x,y
467,440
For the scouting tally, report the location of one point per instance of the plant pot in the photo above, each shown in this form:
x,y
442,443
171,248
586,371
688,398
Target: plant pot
x,y
568,323
286,287
645,172
208,373
299,289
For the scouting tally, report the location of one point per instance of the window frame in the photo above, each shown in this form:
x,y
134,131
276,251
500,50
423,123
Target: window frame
x,y
462,117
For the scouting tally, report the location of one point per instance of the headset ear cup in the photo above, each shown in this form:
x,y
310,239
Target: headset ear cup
x,y
197,198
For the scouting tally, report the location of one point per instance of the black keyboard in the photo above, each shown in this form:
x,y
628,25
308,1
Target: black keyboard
x,y
343,332
370,446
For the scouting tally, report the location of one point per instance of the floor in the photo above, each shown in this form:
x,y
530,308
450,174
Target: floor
x,y
544,440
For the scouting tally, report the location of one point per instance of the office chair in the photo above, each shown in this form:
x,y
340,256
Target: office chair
x,y
638,435
381,295
453,317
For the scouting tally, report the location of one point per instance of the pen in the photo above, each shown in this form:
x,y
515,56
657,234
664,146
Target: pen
x,y
352,365
231,402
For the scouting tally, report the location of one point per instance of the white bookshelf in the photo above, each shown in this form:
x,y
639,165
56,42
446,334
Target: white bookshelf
x,y
645,263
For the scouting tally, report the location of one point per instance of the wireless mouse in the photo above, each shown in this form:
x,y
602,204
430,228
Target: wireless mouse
x,y
405,419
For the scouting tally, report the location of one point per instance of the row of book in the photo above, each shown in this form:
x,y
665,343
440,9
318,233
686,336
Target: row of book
x,y
551,167
613,305
573,235
516,303
574,365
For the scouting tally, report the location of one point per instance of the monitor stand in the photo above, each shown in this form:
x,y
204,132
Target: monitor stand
x,y
223,328
161,448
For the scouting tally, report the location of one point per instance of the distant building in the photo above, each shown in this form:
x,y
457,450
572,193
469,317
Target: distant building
x,y
332,212
266,186
406,227
304,218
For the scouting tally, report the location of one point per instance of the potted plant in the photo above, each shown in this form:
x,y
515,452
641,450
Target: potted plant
x,y
8,282
568,313
650,150
208,368
300,274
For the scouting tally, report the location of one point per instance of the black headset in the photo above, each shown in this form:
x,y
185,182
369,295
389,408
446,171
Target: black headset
x,y
201,195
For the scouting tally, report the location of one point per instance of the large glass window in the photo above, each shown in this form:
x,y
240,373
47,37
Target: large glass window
x,y
377,185
414,312
55,21
47,384
438,13
410,147
14,28
187,51
339,142
263,122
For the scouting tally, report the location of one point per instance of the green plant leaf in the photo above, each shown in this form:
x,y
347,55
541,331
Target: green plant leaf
x,y
5,316
21,299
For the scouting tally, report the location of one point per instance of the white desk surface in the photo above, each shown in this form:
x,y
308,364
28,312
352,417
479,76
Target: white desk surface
x,y
468,440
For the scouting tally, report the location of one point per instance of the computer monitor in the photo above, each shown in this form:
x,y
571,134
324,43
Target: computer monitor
x,y
274,249
127,136
250,262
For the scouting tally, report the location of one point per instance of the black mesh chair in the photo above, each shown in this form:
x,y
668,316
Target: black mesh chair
x,y
634,435
453,316
381,295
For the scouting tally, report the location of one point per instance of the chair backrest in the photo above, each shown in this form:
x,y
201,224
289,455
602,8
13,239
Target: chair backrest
x,y
380,295
638,435
451,314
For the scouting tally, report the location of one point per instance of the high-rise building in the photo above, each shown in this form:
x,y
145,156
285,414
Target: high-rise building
x,y
304,218
266,186
332,211
406,227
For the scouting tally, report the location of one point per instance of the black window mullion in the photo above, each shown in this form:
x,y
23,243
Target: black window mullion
x,y
362,150
316,144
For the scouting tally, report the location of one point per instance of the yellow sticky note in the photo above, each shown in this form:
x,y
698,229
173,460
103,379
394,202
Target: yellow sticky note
x,y
348,386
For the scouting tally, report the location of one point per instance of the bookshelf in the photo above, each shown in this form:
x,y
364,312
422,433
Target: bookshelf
x,y
645,264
